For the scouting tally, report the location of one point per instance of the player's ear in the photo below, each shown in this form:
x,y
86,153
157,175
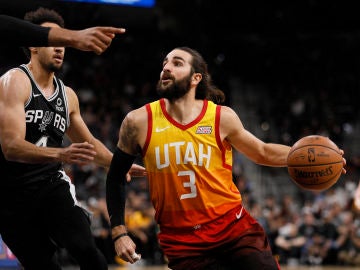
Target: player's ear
x,y
33,49
196,77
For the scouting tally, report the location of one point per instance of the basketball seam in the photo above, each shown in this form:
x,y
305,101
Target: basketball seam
x,y
313,165
307,145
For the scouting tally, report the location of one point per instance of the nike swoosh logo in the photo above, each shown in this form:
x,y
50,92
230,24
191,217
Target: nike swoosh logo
x,y
238,215
161,129
36,95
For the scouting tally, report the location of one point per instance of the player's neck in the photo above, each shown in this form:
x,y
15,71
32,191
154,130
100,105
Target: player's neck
x,y
184,110
43,78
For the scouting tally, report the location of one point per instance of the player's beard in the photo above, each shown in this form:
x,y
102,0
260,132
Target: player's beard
x,y
55,68
51,66
175,90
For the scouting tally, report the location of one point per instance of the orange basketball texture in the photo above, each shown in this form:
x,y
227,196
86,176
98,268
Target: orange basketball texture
x,y
315,163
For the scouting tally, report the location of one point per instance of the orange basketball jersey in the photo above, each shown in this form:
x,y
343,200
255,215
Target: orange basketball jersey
x,y
189,168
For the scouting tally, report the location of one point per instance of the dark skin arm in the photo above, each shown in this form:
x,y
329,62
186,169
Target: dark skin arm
x,y
17,32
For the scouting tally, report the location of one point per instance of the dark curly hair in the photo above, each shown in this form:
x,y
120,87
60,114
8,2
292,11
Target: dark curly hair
x,y
40,16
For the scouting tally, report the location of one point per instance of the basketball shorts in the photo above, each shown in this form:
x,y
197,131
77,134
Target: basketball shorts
x,y
235,239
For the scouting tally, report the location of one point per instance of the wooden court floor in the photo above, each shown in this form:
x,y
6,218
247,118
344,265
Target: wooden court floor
x,y
140,267
282,268
137,267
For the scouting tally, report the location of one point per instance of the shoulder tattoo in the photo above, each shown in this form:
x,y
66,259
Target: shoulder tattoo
x,y
128,135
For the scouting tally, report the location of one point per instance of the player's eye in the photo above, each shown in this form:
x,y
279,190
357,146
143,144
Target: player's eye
x,y
178,64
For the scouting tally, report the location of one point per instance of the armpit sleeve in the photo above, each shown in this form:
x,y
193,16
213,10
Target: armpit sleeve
x,y
17,32
116,186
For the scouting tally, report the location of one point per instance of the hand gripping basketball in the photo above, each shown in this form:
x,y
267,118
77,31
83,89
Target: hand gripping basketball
x,y
315,163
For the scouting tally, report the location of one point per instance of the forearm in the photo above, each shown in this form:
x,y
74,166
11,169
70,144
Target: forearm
x,y
275,155
62,37
23,151
103,156
116,188
18,32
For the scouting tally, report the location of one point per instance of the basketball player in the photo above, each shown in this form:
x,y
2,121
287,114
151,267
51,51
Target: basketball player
x,y
18,32
186,142
38,208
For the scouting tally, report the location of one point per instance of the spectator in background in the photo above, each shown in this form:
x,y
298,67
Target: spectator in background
x,y
328,231
100,228
309,229
289,243
142,226
349,240
356,199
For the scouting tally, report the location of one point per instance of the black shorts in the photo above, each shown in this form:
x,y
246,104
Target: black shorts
x,y
38,219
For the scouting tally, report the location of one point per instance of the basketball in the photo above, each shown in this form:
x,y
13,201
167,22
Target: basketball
x,y
315,163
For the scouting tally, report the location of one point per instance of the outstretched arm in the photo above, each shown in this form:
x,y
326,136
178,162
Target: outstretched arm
x,y
96,39
17,32
233,131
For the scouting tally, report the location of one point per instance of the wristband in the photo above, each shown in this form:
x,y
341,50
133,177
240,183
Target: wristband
x,y
119,236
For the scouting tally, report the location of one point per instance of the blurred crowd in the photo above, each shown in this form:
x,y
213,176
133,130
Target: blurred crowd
x,y
321,229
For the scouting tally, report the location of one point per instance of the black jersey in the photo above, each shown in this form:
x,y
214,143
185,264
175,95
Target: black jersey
x,y
46,122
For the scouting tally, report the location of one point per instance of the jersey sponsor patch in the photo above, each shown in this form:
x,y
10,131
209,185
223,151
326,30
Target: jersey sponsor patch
x,y
204,130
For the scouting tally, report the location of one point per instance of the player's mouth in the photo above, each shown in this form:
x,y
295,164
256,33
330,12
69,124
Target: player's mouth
x,y
166,78
58,58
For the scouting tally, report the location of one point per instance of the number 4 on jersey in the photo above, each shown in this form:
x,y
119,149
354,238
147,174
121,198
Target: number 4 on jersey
x,y
42,142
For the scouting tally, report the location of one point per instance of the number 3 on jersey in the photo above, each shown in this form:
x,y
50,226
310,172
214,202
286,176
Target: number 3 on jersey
x,y
42,142
188,184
